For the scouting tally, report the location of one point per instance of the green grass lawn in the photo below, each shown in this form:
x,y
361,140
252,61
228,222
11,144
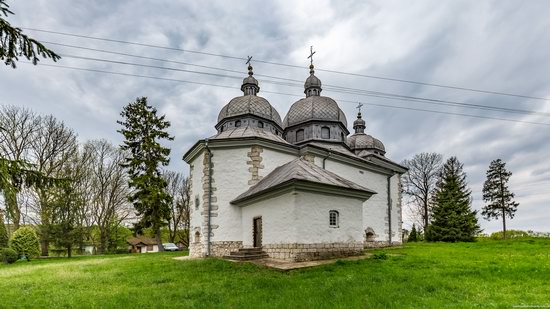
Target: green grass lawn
x,y
484,274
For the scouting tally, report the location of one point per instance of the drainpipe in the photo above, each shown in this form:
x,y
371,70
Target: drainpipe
x,y
209,196
389,209
325,158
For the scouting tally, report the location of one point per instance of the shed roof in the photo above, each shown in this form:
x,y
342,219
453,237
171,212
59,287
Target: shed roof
x,y
134,241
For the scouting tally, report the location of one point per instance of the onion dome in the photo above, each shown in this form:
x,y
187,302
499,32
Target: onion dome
x,y
361,142
249,104
314,106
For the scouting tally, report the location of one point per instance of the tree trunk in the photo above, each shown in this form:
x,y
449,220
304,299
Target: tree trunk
x,y
44,245
69,251
10,199
503,224
159,240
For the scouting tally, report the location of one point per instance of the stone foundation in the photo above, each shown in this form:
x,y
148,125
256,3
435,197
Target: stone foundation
x,y
221,248
311,252
197,250
381,244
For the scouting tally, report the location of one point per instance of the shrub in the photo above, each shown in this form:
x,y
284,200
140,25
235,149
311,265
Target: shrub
x,y
509,234
25,242
8,255
3,233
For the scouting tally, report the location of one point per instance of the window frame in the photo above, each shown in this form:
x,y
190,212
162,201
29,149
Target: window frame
x,y
300,131
238,123
325,130
334,222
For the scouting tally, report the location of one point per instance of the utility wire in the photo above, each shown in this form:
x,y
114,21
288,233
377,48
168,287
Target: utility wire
x,y
286,94
345,90
293,66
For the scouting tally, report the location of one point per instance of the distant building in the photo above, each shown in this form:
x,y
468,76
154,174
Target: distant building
x,y
300,188
142,244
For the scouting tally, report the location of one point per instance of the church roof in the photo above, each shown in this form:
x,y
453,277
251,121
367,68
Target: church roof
x,y
248,131
314,108
250,104
300,170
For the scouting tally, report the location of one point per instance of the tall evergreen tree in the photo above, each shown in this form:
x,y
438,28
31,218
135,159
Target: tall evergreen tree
x,y
453,218
143,129
14,43
495,191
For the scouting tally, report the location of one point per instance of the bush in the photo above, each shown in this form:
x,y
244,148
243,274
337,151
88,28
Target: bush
x,y
3,233
8,255
509,234
25,242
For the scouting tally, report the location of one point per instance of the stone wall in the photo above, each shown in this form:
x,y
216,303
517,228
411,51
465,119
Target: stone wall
x,y
310,252
221,248
255,163
205,198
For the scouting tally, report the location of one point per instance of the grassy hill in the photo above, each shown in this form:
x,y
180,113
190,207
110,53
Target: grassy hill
x,y
486,274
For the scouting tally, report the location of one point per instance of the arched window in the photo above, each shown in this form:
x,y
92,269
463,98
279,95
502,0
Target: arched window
x,y
197,237
325,132
300,135
334,218
260,124
369,234
237,123
197,202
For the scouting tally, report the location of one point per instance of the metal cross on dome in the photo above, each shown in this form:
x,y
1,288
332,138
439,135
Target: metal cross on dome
x,y
359,105
249,59
311,52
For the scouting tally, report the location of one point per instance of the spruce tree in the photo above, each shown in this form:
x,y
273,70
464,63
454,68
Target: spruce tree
x,y
453,219
143,129
495,191
413,235
3,233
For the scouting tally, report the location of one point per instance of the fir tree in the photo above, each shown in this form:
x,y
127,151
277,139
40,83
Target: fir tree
x,y
14,43
142,130
413,235
453,218
496,193
3,233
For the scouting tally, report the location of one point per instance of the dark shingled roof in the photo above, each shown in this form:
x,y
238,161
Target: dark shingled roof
x,y
134,241
299,170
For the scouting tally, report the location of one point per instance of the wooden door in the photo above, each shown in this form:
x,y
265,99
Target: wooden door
x,y
257,232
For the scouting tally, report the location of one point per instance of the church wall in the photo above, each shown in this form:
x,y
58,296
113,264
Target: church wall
x,y
231,175
278,220
312,218
375,209
195,220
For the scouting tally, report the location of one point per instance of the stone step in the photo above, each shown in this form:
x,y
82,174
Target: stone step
x,y
245,257
250,249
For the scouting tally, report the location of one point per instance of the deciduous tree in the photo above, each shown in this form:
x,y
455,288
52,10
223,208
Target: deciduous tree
x,y
419,183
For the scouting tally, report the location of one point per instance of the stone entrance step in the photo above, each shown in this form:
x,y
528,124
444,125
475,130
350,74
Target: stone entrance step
x,y
246,254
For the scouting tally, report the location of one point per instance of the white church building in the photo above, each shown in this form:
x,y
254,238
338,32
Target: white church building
x,y
300,189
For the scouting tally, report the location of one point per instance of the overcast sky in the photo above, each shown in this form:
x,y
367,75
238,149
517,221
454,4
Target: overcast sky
x,y
501,46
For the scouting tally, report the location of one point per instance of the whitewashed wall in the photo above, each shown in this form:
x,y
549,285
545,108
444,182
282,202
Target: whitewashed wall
x,y
196,191
312,218
278,220
374,209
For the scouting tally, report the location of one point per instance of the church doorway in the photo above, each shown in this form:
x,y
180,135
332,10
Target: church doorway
x,y
257,232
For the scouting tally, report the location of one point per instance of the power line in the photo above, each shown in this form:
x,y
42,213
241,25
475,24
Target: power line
x,y
286,94
293,66
339,89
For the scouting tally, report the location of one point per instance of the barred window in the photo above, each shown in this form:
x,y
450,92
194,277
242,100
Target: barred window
x,y
334,217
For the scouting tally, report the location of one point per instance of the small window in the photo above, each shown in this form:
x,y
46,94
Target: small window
x,y
221,129
325,133
299,135
197,202
260,124
343,137
237,123
149,247
333,218
197,237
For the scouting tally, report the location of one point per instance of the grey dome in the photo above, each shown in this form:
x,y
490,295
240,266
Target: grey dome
x,y
250,105
312,81
314,108
360,141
